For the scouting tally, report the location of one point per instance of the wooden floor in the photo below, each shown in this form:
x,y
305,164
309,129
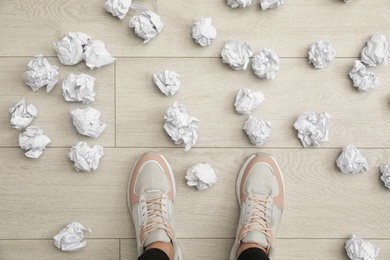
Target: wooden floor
x,y
324,207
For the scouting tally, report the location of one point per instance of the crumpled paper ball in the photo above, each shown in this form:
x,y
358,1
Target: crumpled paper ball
x,y
87,122
118,8
312,128
239,3
385,170
22,115
79,88
85,157
266,4
201,175
265,64
204,32
71,48
352,161
248,100
321,53
70,239
40,74
358,249
147,25
33,141
376,51
363,79
258,130
167,81
180,126
236,54
96,54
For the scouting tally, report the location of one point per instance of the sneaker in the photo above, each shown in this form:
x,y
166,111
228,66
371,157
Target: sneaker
x,y
260,193
151,193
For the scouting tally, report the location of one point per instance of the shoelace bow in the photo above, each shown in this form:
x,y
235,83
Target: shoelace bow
x,y
156,215
259,217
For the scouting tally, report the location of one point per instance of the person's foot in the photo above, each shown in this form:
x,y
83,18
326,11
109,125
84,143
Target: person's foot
x,y
151,193
260,194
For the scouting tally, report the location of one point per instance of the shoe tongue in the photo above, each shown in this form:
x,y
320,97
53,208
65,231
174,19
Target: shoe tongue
x,y
158,235
255,237
150,194
260,195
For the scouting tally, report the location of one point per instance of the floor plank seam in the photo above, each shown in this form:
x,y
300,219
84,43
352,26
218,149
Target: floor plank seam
x,y
115,144
168,57
214,148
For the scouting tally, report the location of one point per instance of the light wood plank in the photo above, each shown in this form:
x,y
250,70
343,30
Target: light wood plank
x,y
41,196
286,249
209,89
102,249
53,111
31,27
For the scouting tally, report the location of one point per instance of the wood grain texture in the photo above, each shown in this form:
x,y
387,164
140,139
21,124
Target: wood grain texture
x,y
39,197
208,89
31,26
99,249
286,249
53,111
324,207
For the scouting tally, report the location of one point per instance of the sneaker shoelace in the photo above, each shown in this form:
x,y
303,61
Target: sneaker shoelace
x,y
156,215
259,217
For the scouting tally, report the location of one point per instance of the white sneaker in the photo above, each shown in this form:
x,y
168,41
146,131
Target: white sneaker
x,y
260,193
151,193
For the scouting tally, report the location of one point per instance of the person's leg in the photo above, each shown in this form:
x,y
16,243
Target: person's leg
x,y
154,254
260,193
150,196
253,253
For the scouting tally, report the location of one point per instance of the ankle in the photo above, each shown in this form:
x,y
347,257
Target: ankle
x,y
167,248
244,246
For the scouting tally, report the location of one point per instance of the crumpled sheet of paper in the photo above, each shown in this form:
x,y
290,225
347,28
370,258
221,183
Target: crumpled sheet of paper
x,y
71,48
358,249
22,115
167,81
236,54
118,8
352,161
376,51
85,157
265,64
40,74
385,170
70,239
258,130
180,126
204,32
96,54
147,25
312,128
321,53
33,141
248,100
87,122
363,79
239,3
201,175
265,4
79,88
